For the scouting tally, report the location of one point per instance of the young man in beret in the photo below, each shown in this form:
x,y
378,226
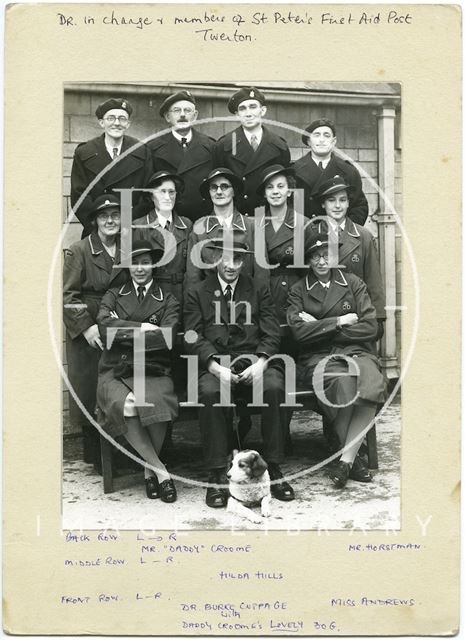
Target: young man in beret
x,y
185,152
99,158
250,148
320,164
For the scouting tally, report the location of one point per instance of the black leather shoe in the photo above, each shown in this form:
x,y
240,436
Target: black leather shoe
x,y
217,497
340,474
168,491
359,471
279,490
152,488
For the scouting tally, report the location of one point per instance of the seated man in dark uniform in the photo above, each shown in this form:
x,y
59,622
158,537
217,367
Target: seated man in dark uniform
x,y
320,164
231,325
250,148
93,158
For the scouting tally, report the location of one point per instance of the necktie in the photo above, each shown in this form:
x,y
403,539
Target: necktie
x,y
115,152
184,143
254,142
228,293
320,164
140,293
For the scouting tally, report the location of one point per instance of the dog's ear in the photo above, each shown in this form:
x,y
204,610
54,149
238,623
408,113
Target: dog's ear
x,y
234,453
258,466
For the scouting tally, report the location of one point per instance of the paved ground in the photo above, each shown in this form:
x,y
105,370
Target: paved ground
x,y
317,505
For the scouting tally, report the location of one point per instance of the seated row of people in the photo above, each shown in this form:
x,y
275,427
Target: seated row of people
x,y
115,160
151,302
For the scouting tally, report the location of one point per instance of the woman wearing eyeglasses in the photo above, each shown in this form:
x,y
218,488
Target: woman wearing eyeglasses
x,y
88,272
114,160
166,231
334,325
220,188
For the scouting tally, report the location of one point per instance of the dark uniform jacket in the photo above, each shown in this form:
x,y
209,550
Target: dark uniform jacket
x,y
280,251
321,337
234,152
156,308
170,276
209,227
91,158
309,176
206,312
192,164
358,254
88,273
347,294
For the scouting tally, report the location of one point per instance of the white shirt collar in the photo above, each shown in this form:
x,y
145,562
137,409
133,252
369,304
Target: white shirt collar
x,y
163,219
224,284
317,161
179,137
146,287
325,285
337,226
226,221
109,147
258,135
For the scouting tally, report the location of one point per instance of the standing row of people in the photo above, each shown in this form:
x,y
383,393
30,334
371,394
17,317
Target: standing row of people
x,y
115,160
151,300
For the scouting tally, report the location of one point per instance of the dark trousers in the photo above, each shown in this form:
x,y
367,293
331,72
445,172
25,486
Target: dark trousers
x,y
215,428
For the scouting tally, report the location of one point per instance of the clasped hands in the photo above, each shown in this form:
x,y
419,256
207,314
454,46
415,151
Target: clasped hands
x,y
347,319
248,376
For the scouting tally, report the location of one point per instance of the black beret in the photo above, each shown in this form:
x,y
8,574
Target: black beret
x,y
246,93
321,122
113,103
176,97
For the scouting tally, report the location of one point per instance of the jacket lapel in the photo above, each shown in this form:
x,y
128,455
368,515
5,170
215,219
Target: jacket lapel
x,y
263,155
179,229
240,147
285,231
350,238
196,154
100,257
336,291
214,293
242,297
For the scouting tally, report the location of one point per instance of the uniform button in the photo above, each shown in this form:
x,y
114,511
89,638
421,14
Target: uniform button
x,y
124,357
284,283
243,179
245,197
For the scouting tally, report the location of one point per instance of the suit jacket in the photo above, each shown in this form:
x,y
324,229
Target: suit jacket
x,y
192,164
91,158
88,273
170,276
358,254
209,227
234,151
156,307
346,294
207,313
309,176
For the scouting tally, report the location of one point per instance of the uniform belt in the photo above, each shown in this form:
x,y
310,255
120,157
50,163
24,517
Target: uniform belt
x,y
174,278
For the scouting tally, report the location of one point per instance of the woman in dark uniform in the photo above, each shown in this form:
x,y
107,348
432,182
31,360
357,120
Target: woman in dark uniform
x,y
88,272
163,218
357,252
330,314
220,187
142,305
282,225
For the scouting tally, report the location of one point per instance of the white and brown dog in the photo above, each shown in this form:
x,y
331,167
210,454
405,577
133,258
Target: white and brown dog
x,y
249,485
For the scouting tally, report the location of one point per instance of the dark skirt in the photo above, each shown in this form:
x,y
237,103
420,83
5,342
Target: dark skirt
x,y
112,393
339,388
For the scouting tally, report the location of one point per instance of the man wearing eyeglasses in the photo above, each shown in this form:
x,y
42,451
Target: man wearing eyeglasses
x,y
185,152
250,148
99,159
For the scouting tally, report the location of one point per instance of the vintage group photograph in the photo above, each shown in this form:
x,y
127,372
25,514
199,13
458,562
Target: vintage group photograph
x,y
232,299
